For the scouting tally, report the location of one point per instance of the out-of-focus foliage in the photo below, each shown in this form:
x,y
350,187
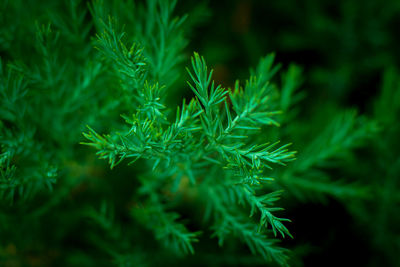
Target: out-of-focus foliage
x,y
195,177
350,60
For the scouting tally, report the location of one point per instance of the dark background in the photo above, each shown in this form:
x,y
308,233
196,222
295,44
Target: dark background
x,y
344,47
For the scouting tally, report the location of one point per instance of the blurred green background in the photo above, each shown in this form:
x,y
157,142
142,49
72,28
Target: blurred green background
x,y
348,50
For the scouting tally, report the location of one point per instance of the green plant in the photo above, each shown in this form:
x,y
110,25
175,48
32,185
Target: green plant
x,y
195,173
208,143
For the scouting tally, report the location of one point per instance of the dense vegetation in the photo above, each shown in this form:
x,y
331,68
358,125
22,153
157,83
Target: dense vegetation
x,y
120,146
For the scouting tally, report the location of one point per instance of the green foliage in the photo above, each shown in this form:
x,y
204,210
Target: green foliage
x,y
195,173
17,145
335,143
206,135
